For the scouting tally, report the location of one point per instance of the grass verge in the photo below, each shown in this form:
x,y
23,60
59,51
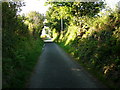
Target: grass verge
x,y
17,69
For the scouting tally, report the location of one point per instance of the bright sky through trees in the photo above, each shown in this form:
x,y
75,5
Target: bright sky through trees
x,y
34,5
38,5
112,3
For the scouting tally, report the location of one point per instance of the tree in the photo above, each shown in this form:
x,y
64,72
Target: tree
x,y
10,25
86,8
35,22
70,12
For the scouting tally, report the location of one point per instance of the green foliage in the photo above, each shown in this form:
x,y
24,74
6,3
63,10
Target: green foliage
x,y
18,69
86,8
35,23
11,27
20,50
70,12
95,44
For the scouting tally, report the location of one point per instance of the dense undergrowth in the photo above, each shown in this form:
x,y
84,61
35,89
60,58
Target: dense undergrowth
x,y
21,45
96,45
18,67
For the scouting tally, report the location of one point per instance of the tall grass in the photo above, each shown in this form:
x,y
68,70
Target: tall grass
x,y
16,70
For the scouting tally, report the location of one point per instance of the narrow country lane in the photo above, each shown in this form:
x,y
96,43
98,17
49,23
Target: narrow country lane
x,y
55,69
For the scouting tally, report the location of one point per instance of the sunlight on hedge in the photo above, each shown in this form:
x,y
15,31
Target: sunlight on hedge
x,y
96,43
71,34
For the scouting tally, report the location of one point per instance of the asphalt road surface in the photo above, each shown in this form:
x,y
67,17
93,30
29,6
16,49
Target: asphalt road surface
x,y
56,69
